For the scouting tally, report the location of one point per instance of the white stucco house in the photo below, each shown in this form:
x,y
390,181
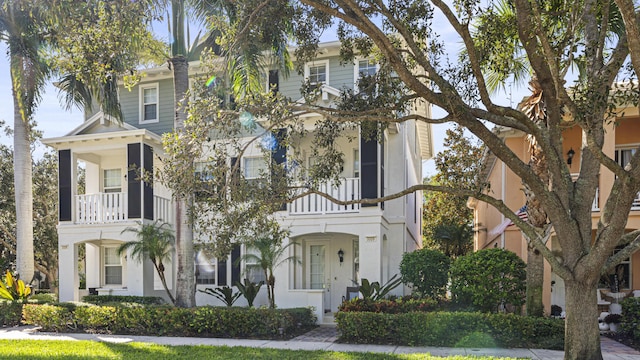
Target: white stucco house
x,y
370,239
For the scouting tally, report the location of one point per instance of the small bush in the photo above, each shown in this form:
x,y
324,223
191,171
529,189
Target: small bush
x,y
488,278
58,318
391,306
43,298
104,299
10,313
426,271
630,322
449,329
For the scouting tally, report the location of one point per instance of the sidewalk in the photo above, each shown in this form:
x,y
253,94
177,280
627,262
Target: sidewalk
x,y
322,338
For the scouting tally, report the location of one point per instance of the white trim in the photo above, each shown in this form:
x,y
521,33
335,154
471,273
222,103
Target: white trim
x,y
141,103
317,63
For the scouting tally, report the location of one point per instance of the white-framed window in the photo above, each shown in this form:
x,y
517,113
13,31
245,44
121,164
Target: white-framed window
x,y
317,72
112,266
253,167
364,67
149,100
620,277
624,155
112,180
356,163
205,269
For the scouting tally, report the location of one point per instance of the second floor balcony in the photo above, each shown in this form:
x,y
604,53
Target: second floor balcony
x,y
104,208
314,204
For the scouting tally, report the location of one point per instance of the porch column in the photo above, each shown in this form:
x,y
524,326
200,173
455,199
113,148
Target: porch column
x,y
68,271
371,257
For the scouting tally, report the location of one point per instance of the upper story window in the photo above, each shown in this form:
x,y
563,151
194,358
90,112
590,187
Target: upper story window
x,y
254,167
364,68
149,103
112,180
356,163
623,156
317,72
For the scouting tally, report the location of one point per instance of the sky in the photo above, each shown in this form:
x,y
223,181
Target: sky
x,y
54,121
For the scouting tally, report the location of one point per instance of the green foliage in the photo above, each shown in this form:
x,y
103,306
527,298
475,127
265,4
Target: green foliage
x,y
10,313
448,329
249,290
43,298
58,318
389,306
426,271
12,288
486,279
375,291
103,299
630,322
168,320
224,294
476,340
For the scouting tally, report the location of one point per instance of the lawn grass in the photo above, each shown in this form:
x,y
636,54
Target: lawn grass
x,y
60,349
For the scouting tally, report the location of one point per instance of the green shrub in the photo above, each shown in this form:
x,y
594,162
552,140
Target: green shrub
x,y
43,298
10,313
488,278
389,306
104,299
167,320
449,329
58,318
630,322
426,271
476,340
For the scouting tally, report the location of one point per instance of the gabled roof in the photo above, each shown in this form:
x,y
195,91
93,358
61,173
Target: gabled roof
x,y
100,123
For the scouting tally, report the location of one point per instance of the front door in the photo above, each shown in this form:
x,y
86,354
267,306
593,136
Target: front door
x,y
318,272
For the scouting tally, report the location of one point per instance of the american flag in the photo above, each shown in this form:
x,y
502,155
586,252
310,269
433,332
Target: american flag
x,y
522,214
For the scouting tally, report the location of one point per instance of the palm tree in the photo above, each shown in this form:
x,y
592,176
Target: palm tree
x,y
453,239
21,28
270,255
245,70
155,242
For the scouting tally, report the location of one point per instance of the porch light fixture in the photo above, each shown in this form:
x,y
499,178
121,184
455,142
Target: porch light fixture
x,y
570,154
341,256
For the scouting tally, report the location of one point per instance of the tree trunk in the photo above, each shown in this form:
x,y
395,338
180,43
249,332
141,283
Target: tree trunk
x,y
186,282
25,262
582,336
164,283
535,282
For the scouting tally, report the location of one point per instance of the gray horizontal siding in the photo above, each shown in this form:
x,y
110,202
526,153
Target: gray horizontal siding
x,y
340,77
130,102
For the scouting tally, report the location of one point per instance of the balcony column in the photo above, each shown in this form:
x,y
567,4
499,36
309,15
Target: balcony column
x,y
370,248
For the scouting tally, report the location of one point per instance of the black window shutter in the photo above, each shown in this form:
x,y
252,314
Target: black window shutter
x,y
133,181
148,185
222,272
235,264
274,81
279,157
64,185
369,169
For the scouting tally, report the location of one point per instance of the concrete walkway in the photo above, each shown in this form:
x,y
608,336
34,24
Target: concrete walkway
x,y
322,338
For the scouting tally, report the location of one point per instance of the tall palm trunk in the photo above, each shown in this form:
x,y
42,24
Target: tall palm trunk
x,y
22,74
186,283
160,269
535,108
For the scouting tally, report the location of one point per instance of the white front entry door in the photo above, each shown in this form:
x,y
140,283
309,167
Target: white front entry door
x,y
319,273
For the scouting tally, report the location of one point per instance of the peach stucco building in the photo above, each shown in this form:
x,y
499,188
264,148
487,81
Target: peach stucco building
x,y
622,139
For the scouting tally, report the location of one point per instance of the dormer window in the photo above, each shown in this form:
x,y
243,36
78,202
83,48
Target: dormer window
x,y
149,103
317,72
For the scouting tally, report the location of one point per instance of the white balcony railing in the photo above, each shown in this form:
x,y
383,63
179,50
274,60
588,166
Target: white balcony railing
x,y
348,189
113,207
101,208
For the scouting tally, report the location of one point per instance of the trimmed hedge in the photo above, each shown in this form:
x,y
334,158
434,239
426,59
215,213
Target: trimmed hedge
x,y
206,321
113,299
448,329
10,313
394,306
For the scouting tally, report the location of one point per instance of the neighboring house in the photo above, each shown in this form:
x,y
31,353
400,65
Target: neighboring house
x,y
371,239
494,231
